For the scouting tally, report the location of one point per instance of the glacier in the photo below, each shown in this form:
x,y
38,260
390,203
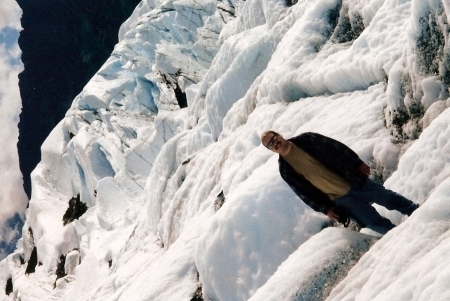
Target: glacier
x,y
155,185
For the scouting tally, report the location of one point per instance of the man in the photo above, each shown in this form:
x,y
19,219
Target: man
x,y
331,178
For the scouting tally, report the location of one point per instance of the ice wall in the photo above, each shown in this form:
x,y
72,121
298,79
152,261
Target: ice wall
x,y
137,195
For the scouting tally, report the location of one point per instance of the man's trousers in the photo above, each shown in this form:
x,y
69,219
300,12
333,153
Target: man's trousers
x,y
358,203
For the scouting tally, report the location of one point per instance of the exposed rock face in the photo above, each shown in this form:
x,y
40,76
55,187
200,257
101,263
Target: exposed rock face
x,y
63,44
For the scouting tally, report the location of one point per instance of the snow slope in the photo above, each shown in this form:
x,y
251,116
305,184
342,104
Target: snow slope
x,y
139,197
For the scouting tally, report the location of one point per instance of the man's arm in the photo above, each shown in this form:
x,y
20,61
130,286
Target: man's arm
x,y
307,192
336,156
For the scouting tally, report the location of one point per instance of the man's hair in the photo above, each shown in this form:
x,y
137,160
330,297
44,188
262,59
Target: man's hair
x,y
264,135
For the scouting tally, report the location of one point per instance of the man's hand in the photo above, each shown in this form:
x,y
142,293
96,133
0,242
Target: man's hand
x,y
332,214
340,215
364,170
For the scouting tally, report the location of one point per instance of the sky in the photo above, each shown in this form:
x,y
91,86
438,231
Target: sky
x,y
12,197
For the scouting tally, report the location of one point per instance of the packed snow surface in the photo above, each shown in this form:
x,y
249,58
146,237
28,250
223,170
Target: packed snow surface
x,y
155,185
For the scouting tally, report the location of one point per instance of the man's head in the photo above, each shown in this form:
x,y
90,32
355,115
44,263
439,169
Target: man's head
x,y
275,142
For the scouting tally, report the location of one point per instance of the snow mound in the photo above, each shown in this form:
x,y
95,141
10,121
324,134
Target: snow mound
x,y
316,266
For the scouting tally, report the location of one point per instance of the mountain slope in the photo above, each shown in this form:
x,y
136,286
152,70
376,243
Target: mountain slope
x,y
139,197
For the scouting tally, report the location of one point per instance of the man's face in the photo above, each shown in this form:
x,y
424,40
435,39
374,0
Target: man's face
x,y
274,142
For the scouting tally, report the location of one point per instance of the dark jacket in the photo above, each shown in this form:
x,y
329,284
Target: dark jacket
x,y
334,155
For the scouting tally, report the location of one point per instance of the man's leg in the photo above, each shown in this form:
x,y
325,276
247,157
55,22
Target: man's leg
x,y
363,213
377,193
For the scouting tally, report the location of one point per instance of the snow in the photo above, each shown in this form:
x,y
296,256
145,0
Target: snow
x,y
187,200
403,265
316,266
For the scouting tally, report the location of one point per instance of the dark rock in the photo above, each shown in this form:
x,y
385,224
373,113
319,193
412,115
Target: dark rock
x,y
198,295
9,286
75,211
32,262
60,270
63,44
431,41
180,96
220,200
348,28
